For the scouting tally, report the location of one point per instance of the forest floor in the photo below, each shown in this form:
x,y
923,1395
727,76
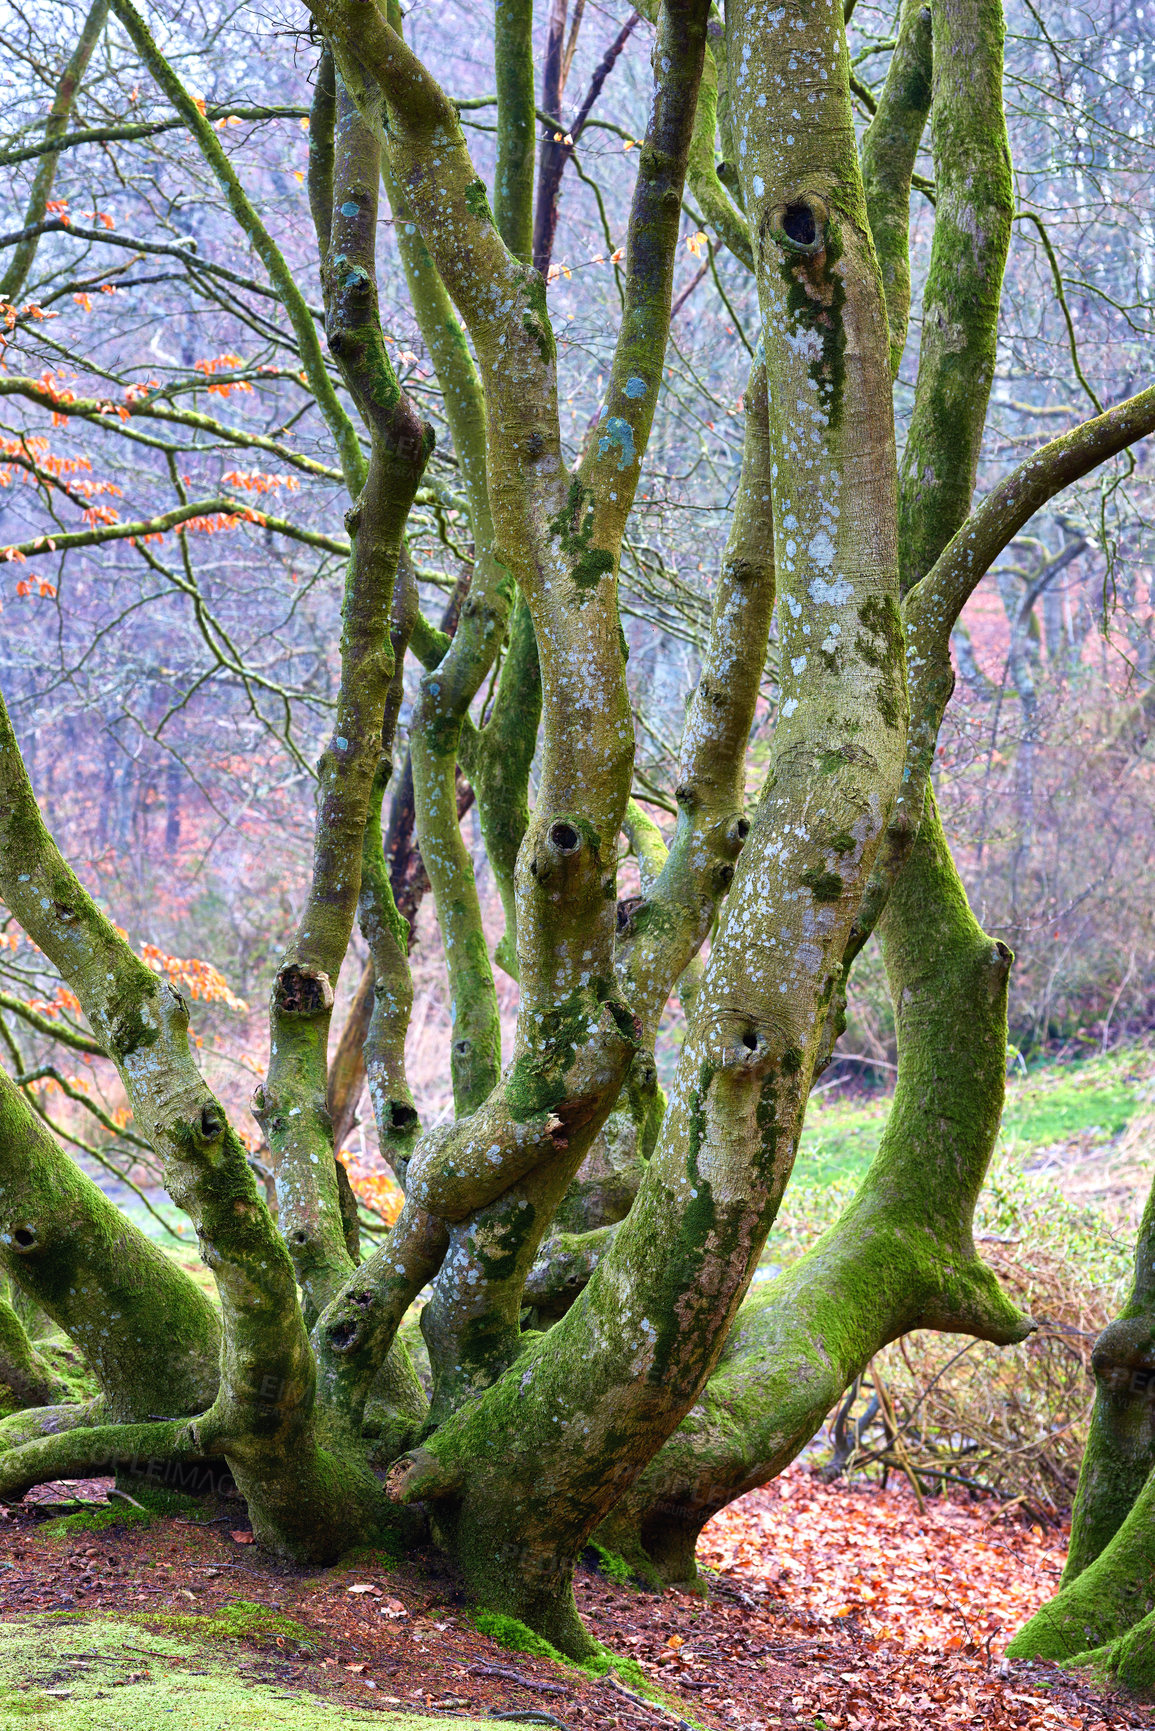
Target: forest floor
x,y
828,1606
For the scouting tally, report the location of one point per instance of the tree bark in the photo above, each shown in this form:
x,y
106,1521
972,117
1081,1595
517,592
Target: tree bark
x,y
521,1477
1107,1593
900,1256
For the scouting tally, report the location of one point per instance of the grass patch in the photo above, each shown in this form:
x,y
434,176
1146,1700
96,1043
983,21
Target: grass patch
x,y
1051,1103
1045,1110
240,1620
841,1139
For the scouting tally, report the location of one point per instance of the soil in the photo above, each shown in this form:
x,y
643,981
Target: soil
x,y
826,1606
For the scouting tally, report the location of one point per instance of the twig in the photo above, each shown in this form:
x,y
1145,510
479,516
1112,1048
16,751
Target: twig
x,y
898,1446
517,1677
531,1716
959,1612
124,1496
615,1682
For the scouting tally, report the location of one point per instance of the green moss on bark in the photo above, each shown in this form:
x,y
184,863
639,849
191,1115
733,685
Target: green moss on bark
x,y
150,1335
1108,1597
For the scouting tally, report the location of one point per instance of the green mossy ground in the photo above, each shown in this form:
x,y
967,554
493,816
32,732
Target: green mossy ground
x,y
612,1565
75,1673
240,1621
62,1357
150,1503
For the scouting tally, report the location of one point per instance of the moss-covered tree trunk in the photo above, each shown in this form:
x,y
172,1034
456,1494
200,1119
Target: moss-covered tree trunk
x,y
1103,1611
900,1257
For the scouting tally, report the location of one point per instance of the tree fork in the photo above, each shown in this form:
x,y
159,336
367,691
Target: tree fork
x,y
523,1475
901,1255
566,924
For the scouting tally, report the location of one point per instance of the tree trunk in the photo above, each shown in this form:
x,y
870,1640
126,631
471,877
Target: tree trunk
x,y
1108,1588
901,1255
74,1254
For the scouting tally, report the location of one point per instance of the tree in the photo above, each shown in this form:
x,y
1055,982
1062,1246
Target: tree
x,y
1104,1612
652,1389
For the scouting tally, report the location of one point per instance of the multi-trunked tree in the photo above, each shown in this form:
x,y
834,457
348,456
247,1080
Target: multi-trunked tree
x,y
648,1389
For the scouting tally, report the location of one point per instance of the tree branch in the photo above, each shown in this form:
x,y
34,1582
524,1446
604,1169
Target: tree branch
x,y
55,125
344,435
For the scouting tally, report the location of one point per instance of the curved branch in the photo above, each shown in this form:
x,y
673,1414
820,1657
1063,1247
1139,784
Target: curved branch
x,y
96,1452
143,129
282,278
231,509
54,1030
933,606
55,126
678,909
110,414
291,1105
890,149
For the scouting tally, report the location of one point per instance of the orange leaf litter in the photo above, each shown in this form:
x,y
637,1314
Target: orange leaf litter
x,y
962,1571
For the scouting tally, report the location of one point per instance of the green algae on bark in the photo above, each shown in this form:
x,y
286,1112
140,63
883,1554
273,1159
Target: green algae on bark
x,y
148,1332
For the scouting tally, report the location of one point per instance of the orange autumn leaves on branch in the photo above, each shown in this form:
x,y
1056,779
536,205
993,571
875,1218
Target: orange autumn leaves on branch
x,y
218,364
253,481
195,978
51,1007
